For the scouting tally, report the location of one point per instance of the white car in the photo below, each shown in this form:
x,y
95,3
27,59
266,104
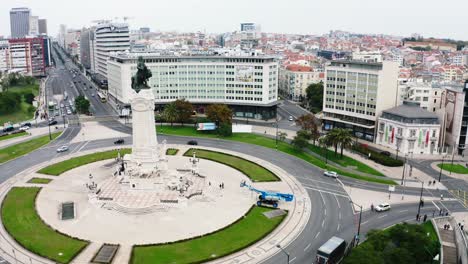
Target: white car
x,y
24,128
291,118
382,207
331,174
62,149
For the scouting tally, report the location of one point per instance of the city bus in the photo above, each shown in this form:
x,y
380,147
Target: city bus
x,y
102,97
331,252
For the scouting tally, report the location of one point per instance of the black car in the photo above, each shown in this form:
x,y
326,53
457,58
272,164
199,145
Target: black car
x,y
8,129
27,124
385,153
119,141
192,143
53,122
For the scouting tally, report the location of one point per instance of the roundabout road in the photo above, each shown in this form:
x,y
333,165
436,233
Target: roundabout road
x,y
331,212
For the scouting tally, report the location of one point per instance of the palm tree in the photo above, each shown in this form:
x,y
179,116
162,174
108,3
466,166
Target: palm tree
x,y
332,139
345,139
170,113
324,143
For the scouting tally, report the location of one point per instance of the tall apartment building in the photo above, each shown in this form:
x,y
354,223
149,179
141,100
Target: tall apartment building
x,y
19,22
27,55
294,80
72,43
247,84
109,37
355,93
427,94
87,47
33,26
43,26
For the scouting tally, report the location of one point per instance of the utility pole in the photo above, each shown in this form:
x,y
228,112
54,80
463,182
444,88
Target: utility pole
x,y
47,110
276,137
284,251
404,167
420,198
359,226
440,173
451,166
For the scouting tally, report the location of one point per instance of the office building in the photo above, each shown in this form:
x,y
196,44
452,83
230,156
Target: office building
x,y
19,22
294,80
409,129
33,26
43,26
355,93
427,94
87,47
72,43
368,56
109,37
247,84
27,56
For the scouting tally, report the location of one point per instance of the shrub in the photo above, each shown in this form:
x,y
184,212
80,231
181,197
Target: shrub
x,y
377,157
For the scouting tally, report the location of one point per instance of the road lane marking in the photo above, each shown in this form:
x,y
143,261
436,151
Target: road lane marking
x,y
323,222
292,259
338,227
316,235
365,222
321,195
403,211
382,216
339,216
435,205
307,247
325,211
338,202
320,191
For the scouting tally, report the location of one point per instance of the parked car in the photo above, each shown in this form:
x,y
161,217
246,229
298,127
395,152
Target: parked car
x,y
192,142
53,122
23,128
386,153
331,174
119,141
27,124
62,149
382,207
8,129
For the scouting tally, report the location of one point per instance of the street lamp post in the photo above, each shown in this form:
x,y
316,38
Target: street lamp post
x,y
404,167
284,251
359,226
440,173
420,198
276,138
451,166
47,110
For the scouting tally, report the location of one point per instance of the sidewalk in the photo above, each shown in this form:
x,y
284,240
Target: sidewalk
x,y
32,133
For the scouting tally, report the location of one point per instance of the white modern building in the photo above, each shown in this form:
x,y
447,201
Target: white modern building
x,y
249,85
427,94
33,25
72,43
294,80
356,93
108,38
367,56
409,129
4,54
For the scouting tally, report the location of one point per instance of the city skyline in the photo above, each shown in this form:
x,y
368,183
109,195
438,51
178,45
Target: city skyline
x,y
399,18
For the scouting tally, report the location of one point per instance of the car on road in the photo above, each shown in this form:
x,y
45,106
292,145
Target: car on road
x,y
92,94
69,112
62,149
8,129
382,207
291,118
23,128
26,124
119,141
331,174
192,142
53,122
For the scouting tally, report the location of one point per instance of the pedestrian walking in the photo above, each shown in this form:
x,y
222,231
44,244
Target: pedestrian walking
x,y
372,207
417,217
433,182
461,227
440,212
441,197
425,218
446,214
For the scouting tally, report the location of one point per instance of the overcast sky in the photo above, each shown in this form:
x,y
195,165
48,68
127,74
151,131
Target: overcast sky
x,y
447,18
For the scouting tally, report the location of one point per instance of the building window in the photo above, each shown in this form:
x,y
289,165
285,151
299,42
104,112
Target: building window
x,y
412,133
411,146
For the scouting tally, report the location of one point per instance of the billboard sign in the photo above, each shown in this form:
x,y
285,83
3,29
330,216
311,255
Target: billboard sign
x,y
206,126
450,104
244,74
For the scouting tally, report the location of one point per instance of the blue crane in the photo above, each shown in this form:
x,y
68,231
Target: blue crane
x,y
271,198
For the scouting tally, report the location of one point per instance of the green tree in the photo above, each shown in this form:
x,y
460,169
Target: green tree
x,y
170,113
225,130
219,113
300,141
184,110
29,98
314,96
332,139
82,104
282,136
345,139
309,123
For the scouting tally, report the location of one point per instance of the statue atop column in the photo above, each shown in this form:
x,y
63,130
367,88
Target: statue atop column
x,y
140,80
